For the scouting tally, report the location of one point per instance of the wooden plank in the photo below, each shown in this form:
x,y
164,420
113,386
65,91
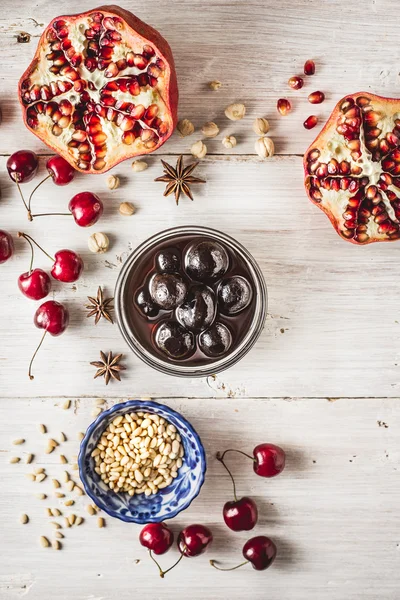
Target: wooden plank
x,y
333,310
333,512
258,47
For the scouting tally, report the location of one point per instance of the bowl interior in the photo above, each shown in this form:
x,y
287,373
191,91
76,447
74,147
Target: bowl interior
x,y
166,503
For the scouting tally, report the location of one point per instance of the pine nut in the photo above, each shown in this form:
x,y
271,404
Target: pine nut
x,y
69,502
59,495
52,443
30,476
80,436
59,535
42,428
75,467
100,401
56,483
49,449
79,490
14,460
55,524
90,510
66,404
24,519
65,477
56,545
71,519
63,460
97,411
101,522
78,521
55,512
67,523
41,496
63,437
48,512
70,485
44,541
18,442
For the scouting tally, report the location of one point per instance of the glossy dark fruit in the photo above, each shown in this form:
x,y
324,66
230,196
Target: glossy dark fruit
x,y
194,540
6,246
168,261
175,341
22,166
86,208
34,285
52,316
234,295
157,537
269,460
167,290
260,551
206,261
67,266
60,170
215,341
199,308
240,515
145,304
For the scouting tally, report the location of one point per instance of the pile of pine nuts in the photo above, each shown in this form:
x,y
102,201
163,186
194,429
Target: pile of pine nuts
x,y
138,453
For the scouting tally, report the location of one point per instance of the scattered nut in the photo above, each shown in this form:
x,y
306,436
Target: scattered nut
x,y
70,485
139,165
55,512
30,476
229,141
126,208
42,428
41,477
235,112
63,459
199,149
264,147
24,519
185,128
71,519
67,523
38,470
214,85
41,496
80,436
49,449
210,129
55,524
69,502
14,460
19,442
53,443
44,541
56,483
66,404
56,545
66,477
78,490
29,459
59,535
75,467
100,402
63,437
98,243
112,182
90,510
101,522
97,411
59,495
78,521
48,512
260,126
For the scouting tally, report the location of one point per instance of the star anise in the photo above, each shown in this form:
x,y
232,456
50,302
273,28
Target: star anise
x,y
178,179
100,307
108,366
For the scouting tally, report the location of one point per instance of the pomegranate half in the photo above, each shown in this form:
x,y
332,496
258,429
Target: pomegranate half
x,y
352,169
101,88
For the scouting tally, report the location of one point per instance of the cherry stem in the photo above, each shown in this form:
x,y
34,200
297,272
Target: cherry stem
x,y
221,456
38,185
221,460
29,238
33,357
23,200
32,255
163,573
213,564
52,214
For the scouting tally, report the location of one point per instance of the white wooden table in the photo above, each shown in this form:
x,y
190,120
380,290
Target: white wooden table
x,y
323,379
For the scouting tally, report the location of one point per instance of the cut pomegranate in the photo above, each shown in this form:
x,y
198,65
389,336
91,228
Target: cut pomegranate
x,y
310,122
101,88
296,83
316,97
309,67
352,169
284,107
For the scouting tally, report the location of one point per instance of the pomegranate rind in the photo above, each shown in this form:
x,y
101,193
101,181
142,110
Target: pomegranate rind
x,y
359,216
166,90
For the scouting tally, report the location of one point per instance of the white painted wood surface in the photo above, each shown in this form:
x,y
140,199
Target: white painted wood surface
x,y
332,330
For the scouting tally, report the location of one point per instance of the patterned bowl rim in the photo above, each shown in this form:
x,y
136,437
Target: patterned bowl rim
x,y
148,404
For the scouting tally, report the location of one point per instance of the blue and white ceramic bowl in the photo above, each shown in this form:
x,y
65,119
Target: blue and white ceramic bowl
x,y
166,503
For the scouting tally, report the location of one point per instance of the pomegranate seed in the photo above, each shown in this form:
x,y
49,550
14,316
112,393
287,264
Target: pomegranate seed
x,y
283,105
310,122
296,83
316,97
309,67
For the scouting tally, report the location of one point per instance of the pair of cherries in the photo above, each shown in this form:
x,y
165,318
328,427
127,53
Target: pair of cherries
x,y
22,166
158,538
241,514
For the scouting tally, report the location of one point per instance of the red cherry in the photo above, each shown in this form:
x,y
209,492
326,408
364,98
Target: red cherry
x,y
240,515
269,460
67,266
60,170
194,540
53,317
260,551
86,208
6,246
35,284
22,166
157,537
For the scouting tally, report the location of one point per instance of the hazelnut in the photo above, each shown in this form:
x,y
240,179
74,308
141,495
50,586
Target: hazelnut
x,y
261,126
112,182
139,165
210,129
214,85
264,147
229,141
98,243
126,208
235,112
199,149
185,127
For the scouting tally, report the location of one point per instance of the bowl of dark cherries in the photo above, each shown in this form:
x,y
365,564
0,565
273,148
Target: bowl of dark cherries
x,y
190,301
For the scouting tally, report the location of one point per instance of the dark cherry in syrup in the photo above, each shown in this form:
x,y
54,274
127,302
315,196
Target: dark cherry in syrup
x,y
206,260
167,290
174,340
199,308
216,341
234,295
145,303
168,261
